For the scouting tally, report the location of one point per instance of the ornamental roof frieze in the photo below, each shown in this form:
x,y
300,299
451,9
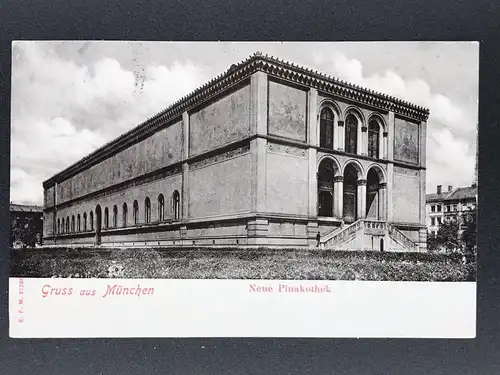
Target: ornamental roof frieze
x,y
236,74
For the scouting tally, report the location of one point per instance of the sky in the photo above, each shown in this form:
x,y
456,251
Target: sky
x,y
70,98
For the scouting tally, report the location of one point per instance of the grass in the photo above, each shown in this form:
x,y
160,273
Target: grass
x,y
230,263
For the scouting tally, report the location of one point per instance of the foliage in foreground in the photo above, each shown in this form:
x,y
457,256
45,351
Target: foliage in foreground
x,y
230,263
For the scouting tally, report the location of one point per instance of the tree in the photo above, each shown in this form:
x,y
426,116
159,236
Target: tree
x,y
469,233
448,236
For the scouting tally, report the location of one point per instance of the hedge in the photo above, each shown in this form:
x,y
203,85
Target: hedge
x,y
234,263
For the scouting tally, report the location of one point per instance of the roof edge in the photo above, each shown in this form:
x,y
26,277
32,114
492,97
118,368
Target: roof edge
x,y
236,73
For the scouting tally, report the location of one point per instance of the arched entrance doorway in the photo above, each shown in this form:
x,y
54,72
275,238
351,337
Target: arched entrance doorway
x,y
350,194
98,223
326,173
372,195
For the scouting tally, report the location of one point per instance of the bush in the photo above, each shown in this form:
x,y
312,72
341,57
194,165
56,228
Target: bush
x,y
232,263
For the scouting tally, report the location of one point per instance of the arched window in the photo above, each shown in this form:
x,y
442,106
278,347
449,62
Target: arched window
x,y
176,199
135,212
147,210
124,214
78,223
85,221
58,225
73,223
106,218
67,224
326,128
91,220
351,134
115,216
161,207
373,139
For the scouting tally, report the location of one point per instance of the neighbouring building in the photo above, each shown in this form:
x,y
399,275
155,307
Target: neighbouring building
x,y
26,225
266,154
452,204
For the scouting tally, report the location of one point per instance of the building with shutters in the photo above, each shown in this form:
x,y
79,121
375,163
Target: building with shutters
x,y
266,154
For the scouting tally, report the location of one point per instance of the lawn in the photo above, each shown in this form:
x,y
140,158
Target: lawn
x,y
231,263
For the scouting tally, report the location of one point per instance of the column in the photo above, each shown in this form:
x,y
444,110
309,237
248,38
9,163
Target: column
x,y
361,199
341,135
361,132
383,146
338,191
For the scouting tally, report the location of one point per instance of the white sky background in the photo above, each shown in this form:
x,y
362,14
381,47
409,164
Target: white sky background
x,y
69,98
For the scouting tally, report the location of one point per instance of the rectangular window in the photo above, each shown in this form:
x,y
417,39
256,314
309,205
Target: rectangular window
x,y
454,207
438,208
433,221
439,220
433,208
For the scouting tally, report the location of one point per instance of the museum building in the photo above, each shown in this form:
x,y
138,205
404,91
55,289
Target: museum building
x,y
266,154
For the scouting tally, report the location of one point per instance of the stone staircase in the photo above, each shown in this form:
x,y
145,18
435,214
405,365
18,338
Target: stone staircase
x,y
351,236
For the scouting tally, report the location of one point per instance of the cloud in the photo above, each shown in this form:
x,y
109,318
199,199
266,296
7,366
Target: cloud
x,y
450,159
62,111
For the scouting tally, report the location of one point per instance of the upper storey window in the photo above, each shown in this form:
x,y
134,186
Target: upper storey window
x,y
351,134
326,128
373,139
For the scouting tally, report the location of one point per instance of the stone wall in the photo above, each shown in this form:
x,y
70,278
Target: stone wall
x,y
287,111
220,186
222,122
406,195
152,190
159,150
406,141
287,180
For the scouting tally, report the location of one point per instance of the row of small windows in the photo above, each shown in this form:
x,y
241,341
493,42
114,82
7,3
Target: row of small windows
x,y
64,226
450,208
351,133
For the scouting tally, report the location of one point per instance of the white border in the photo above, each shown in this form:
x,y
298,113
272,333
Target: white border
x,y
228,308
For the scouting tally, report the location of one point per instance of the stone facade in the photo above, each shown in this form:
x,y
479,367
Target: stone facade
x,y
267,154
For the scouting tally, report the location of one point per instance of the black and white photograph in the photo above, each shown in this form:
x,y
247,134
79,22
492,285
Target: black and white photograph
x,y
336,161
290,169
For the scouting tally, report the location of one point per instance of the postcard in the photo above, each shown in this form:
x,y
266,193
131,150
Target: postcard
x,y
243,189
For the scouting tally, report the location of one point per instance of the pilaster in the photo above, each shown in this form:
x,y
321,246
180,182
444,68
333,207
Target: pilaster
x,y
313,135
313,184
361,199
185,169
258,146
389,189
312,117
390,137
258,107
423,214
390,165
423,142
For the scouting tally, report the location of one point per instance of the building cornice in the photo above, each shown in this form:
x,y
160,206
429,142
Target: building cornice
x,y
233,76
